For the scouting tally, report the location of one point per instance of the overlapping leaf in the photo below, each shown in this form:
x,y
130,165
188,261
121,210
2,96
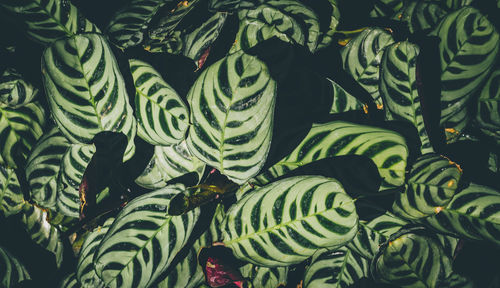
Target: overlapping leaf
x,y
342,100
385,8
86,91
432,182
13,272
286,221
386,148
420,16
336,268
267,277
162,116
11,195
232,108
143,240
326,38
14,90
361,58
42,169
49,20
488,106
69,281
232,5
289,20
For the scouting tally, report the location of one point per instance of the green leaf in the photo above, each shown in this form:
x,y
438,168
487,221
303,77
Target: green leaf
x,y
457,281
267,277
386,148
143,240
13,272
420,16
290,21
232,5
488,106
69,281
473,213
374,233
361,58
162,116
73,165
19,129
47,21
14,90
432,182
42,232
342,100
85,272
11,196
398,88
410,258
232,108
43,167
385,8
169,162
326,38
86,91
468,48
128,26
286,221
336,268
453,4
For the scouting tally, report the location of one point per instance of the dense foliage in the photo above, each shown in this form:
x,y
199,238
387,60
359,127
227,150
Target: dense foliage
x,y
250,143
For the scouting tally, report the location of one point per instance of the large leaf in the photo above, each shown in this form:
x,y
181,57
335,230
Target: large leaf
x,y
11,195
169,162
42,232
468,48
43,167
336,268
19,130
398,88
386,148
14,90
473,213
85,272
162,116
374,233
432,182
290,21
411,259
361,58
85,89
488,106
46,21
232,108
286,221
73,165
128,25
420,16
13,272
143,240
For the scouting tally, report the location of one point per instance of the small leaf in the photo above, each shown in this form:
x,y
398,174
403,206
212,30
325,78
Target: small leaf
x,y
11,195
14,90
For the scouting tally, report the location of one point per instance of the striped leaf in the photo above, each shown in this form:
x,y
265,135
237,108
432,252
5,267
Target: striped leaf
x,y
326,38
162,116
11,196
43,167
386,8
73,165
473,213
13,272
453,4
49,20
86,91
386,148
143,240
19,130
169,162
361,58
457,281
286,221
265,277
69,281
468,48
432,182
128,26
85,272
449,244
411,259
420,16
374,233
342,100
488,106
14,90
398,88
289,20
336,268
232,5
232,108
493,162
35,222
